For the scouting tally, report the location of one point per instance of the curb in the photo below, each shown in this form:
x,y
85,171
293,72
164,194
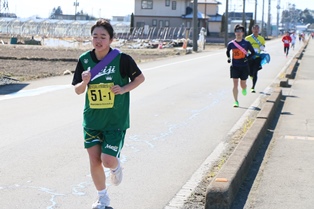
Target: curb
x,y
292,68
223,188
220,193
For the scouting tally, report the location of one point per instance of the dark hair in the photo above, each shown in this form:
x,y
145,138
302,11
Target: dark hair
x,y
238,26
105,24
255,26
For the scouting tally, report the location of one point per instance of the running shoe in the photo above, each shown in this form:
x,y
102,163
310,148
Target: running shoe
x,y
236,104
244,92
252,90
116,176
103,202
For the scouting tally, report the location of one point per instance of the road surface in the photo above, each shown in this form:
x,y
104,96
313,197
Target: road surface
x,y
179,116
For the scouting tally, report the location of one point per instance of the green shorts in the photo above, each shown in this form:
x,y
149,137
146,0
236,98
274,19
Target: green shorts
x,y
111,142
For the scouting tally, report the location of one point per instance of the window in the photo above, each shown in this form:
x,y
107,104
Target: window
x,y
140,24
167,3
147,4
160,23
174,5
154,22
166,23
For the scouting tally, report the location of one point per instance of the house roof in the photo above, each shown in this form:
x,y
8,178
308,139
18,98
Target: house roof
x,y
200,15
208,2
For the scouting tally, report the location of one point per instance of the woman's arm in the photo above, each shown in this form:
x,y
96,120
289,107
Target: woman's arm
x,y
81,87
116,89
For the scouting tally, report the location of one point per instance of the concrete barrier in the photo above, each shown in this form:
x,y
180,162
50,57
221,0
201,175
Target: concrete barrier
x,y
290,71
223,188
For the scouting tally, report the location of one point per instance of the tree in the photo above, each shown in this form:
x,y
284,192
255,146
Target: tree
x,y
132,23
223,21
55,12
252,22
296,16
306,17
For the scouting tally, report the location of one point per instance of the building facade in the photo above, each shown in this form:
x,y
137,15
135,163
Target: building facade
x,y
176,13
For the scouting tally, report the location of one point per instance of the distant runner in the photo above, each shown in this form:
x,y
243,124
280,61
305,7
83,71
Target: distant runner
x,y
258,43
286,39
239,68
293,38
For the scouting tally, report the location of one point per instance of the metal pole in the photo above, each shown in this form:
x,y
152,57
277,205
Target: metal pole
x,y
195,25
269,19
255,11
243,16
226,23
262,27
75,5
206,23
278,8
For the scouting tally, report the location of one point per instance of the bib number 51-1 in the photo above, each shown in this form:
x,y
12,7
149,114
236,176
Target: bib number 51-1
x,y
100,96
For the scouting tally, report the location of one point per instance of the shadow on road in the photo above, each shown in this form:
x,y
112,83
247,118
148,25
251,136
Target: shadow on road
x,y
12,88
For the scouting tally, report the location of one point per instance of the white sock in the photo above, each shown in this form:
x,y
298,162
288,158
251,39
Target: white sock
x,y
102,192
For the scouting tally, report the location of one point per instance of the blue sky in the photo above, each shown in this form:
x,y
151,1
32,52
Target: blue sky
x,y
108,8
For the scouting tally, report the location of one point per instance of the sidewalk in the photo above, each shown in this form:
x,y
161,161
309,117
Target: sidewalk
x,y
285,179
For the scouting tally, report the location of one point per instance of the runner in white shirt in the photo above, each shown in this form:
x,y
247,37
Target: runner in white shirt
x,y
293,37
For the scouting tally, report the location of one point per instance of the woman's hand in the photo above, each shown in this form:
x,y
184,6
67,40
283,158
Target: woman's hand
x,y
116,89
86,76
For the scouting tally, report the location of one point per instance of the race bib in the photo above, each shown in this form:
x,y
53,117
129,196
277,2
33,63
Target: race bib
x,y
100,96
285,41
238,54
256,50
262,48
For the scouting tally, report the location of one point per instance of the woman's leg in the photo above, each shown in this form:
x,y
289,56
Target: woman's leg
x,y
109,161
243,84
96,167
235,88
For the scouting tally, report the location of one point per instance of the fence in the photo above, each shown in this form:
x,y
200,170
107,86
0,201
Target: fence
x,y
81,29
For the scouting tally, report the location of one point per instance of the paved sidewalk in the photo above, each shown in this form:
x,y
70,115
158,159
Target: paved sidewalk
x,y
286,177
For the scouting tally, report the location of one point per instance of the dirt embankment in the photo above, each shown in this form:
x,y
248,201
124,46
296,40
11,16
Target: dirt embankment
x,y
27,62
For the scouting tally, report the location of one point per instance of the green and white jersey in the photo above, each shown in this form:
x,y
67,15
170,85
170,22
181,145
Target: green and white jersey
x,y
103,110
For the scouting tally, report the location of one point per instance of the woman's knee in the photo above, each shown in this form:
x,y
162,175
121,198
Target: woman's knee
x,y
109,161
94,156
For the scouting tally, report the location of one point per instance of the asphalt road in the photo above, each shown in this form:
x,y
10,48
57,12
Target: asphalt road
x,y
178,117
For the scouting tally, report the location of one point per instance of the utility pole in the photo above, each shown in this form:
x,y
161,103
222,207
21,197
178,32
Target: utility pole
x,y
255,11
206,22
195,25
262,27
243,17
226,23
278,8
75,4
5,5
269,19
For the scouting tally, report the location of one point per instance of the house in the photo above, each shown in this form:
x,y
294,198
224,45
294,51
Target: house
x,y
121,18
176,14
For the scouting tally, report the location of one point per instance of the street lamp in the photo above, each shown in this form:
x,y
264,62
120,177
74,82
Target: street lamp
x,y
76,4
